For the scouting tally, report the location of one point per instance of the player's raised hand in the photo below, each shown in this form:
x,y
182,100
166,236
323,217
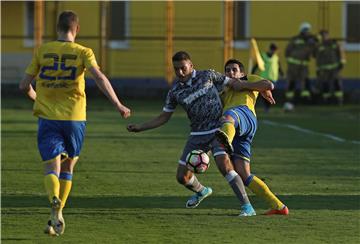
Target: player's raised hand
x,y
268,96
133,128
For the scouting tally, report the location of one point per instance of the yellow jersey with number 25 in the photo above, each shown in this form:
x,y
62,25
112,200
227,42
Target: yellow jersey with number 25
x,y
59,67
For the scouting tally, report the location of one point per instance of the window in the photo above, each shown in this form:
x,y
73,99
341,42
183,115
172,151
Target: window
x,y
29,24
351,28
241,23
118,26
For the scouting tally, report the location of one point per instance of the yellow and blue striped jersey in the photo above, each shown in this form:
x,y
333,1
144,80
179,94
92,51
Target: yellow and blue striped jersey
x,y
232,98
59,68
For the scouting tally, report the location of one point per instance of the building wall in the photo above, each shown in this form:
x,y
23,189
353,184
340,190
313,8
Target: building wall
x,y
282,20
269,22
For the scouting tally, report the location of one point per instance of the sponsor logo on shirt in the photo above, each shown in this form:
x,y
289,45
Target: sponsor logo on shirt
x,y
197,94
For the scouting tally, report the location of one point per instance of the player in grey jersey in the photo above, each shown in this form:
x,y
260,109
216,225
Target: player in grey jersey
x,y
198,93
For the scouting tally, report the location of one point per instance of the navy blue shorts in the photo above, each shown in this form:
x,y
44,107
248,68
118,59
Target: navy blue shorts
x,y
246,125
205,142
59,136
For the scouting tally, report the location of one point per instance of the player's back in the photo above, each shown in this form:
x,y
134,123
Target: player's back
x,y
60,85
232,98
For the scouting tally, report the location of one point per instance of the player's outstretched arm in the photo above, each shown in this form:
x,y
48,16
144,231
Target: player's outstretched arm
x,y
154,123
105,86
26,87
260,86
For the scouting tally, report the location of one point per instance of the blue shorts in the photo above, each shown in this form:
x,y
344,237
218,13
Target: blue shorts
x,y
59,136
246,125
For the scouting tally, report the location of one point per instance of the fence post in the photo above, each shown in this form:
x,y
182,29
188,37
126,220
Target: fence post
x,y
228,29
38,22
169,40
103,36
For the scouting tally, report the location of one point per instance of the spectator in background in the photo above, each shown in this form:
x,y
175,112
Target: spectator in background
x,y
328,63
272,69
298,53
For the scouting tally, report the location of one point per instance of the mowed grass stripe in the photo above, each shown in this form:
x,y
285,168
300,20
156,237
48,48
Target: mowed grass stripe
x,y
125,190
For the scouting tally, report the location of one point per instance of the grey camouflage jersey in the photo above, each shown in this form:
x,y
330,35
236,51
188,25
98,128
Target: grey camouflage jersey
x,y
200,99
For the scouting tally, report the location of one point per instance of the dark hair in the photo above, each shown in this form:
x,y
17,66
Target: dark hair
x,y
181,55
235,61
67,20
273,46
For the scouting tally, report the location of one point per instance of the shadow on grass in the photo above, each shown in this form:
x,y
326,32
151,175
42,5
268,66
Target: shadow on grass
x,y
300,202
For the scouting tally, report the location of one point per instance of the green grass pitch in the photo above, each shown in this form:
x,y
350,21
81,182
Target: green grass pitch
x,y
125,189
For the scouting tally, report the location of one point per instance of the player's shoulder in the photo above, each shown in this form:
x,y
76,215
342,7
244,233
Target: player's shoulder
x,y
202,74
253,78
211,73
174,86
47,45
81,48
74,45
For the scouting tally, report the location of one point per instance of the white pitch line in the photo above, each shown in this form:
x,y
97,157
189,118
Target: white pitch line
x,y
297,128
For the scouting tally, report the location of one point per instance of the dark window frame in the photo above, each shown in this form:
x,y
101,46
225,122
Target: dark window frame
x,y
352,43
118,39
241,32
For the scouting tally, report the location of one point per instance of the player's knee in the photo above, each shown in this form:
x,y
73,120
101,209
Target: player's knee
x,y
227,119
223,163
68,165
182,179
53,166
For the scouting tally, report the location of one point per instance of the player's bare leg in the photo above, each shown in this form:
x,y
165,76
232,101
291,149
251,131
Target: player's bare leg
x,y
189,180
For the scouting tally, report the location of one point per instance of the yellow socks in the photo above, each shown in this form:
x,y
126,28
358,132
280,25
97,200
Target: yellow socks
x,y
229,129
52,185
65,187
259,187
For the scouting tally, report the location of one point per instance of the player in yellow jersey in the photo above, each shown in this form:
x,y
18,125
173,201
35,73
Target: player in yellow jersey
x,y
238,128
58,68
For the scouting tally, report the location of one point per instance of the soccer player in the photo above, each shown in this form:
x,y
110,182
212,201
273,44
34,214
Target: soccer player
x,y
238,129
58,68
197,92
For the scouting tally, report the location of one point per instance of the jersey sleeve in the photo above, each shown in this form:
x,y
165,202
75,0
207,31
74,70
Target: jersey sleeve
x,y
219,80
170,103
254,78
34,66
89,58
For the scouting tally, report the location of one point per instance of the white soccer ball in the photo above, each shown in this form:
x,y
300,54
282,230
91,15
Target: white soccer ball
x,y
288,107
197,161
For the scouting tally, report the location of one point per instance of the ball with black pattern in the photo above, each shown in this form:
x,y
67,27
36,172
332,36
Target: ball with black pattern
x,y
197,161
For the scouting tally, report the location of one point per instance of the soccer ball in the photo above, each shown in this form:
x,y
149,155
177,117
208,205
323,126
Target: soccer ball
x,y
197,161
288,107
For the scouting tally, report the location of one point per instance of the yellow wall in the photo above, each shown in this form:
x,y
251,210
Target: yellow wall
x,y
144,58
282,20
147,58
